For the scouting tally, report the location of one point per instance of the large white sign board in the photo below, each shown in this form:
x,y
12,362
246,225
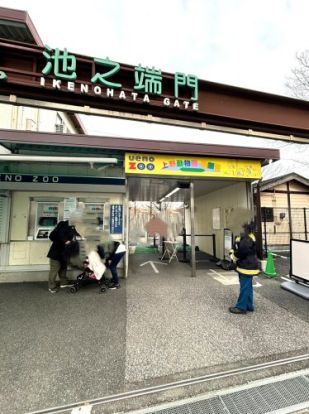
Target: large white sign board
x,y
300,259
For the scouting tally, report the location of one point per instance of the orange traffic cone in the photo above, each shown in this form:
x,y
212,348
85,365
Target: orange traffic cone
x,y
270,266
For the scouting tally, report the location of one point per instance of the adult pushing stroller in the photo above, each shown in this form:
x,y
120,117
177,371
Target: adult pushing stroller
x,y
93,271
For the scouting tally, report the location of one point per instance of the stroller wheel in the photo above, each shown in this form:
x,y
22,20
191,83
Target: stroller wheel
x,y
102,290
73,289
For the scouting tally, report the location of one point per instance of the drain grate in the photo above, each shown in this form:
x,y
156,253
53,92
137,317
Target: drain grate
x,y
210,406
269,397
257,400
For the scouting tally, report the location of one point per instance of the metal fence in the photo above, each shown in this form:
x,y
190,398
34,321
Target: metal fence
x,y
280,225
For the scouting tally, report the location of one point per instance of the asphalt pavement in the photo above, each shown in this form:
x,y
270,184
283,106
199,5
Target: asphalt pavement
x,y
161,325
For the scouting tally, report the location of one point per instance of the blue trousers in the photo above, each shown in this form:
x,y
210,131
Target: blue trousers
x,y
245,299
113,266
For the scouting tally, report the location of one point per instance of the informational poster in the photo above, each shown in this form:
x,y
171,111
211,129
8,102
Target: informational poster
x,y
116,219
69,206
216,222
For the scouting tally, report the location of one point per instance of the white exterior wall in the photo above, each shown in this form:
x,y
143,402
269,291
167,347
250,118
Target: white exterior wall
x,y
32,119
6,116
234,208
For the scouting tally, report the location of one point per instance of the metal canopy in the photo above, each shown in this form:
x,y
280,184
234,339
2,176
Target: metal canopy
x,y
15,30
17,25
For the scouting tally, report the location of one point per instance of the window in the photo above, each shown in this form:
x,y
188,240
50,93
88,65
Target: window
x,y
267,214
59,126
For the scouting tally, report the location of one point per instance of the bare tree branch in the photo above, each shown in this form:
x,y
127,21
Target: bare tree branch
x,y
298,83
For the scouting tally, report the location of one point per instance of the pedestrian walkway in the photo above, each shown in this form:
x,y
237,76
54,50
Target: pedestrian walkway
x,y
157,328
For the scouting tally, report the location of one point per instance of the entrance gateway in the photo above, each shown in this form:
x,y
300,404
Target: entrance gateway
x,y
218,177
214,192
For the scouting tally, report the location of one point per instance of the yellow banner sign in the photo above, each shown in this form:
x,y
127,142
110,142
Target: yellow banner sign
x,y
174,165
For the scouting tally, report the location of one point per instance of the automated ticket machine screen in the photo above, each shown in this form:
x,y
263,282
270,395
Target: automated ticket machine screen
x,y
46,219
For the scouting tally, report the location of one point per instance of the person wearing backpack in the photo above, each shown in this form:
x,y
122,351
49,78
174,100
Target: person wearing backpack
x,y
62,238
244,253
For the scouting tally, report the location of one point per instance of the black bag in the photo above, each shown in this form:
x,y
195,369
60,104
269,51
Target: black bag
x,y
228,265
71,249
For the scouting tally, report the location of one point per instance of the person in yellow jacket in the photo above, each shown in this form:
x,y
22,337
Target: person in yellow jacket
x,y
244,253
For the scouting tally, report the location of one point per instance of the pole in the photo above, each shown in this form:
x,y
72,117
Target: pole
x,y
193,262
258,215
305,222
214,246
184,245
127,211
265,234
289,210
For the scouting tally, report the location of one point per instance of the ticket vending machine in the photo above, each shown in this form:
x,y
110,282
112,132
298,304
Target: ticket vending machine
x,y
46,219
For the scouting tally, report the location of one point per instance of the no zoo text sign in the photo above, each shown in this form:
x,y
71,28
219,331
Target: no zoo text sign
x,y
59,179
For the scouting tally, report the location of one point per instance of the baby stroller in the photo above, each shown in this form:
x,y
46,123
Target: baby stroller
x,y
93,271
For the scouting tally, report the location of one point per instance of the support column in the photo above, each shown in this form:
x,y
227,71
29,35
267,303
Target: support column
x,y
193,262
258,216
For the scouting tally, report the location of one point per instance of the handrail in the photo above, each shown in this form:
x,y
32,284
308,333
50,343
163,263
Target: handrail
x,y
184,250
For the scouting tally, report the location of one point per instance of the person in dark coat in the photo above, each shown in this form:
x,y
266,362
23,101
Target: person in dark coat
x,y
62,247
244,253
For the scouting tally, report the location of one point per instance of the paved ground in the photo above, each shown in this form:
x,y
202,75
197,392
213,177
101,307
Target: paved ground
x,y
59,348
63,348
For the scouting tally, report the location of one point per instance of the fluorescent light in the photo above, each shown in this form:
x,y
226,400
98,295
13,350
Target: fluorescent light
x,y
172,192
169,194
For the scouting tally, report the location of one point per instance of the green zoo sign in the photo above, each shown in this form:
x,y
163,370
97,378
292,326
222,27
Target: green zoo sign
x,y
146,82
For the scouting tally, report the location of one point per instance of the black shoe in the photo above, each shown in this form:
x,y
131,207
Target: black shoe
x,y
114,286
237,310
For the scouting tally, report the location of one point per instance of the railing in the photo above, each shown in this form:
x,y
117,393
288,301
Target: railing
x,y
282,225
184,245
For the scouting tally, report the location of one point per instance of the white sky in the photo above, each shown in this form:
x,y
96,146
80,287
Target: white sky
x,y
247,43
